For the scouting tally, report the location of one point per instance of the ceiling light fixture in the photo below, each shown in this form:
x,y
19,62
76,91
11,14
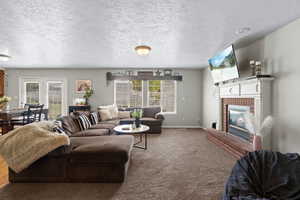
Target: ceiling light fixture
x,y
4,57
243,30
142,50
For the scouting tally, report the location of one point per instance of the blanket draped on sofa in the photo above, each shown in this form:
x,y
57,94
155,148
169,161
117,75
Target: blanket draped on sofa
x,y
23,146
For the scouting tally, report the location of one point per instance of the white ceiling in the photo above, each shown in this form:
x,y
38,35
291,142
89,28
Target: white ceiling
x,y
103,33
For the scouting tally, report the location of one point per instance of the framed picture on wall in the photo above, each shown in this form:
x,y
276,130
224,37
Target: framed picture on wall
x,y
82,85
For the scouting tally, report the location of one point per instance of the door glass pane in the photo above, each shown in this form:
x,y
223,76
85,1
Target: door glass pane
x,y
32,93
55,99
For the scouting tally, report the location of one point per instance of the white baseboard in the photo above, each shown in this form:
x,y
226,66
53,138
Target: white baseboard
x,y
182,127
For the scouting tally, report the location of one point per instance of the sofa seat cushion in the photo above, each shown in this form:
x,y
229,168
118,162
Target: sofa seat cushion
x,y
91,132
105,149
150,120
103,126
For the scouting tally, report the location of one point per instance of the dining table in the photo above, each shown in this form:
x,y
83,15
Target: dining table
x,y
9,114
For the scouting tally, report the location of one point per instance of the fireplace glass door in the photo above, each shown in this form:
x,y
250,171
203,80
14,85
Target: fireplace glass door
x,y
237,121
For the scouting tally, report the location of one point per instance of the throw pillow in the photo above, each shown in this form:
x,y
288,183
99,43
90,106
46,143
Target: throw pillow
x,y
105,115
124,114
58,127
84,122
94,118
113,109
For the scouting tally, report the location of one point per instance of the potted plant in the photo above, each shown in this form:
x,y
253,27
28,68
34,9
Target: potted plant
x,y
3,102
137,114
88,93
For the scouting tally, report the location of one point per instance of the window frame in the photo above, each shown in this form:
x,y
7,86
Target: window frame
x,y
64,97
22,89
128,82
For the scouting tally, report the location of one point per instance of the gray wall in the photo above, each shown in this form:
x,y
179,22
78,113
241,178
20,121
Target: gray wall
x,y
210,105
280,53
189,92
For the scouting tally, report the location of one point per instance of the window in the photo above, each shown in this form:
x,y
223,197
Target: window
x,y
129,93
158,93
162,93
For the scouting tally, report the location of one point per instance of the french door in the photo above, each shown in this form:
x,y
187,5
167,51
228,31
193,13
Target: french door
x,y
50,92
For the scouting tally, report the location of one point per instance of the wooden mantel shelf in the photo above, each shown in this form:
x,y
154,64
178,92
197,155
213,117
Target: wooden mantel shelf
x,y
231,144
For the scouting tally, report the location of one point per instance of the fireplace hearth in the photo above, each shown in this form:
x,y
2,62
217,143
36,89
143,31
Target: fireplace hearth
x,y
237,121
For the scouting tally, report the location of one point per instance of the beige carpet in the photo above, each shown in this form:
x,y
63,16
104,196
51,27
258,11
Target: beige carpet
x,y
179,164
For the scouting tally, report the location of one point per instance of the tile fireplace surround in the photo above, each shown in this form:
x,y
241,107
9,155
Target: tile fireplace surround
x,y
255,93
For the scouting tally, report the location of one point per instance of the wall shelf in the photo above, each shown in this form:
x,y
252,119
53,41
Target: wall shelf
x,y
111,77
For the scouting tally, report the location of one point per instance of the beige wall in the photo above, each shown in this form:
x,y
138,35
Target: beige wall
x,y
189,92
280,52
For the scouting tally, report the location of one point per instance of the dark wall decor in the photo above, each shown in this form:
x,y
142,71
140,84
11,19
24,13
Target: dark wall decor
x,y
142,75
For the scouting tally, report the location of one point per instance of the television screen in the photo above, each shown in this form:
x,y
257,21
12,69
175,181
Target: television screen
x,y
223,66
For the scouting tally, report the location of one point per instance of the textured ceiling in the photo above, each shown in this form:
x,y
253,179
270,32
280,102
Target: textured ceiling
x,y
103,34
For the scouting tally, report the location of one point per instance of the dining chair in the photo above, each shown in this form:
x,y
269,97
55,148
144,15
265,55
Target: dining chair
x,y
32,114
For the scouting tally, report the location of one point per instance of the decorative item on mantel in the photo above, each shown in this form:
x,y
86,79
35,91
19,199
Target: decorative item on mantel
x,y
4,101
258,68
252,66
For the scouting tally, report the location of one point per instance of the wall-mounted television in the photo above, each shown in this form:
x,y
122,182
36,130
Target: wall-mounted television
x,y
223,66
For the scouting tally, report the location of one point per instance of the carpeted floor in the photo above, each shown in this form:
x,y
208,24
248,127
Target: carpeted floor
x,y
180,164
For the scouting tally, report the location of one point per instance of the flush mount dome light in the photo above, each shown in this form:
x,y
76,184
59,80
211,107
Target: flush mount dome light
x,y
142,50
4,57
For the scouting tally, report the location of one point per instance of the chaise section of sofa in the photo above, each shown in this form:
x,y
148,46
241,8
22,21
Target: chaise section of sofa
x,y
87,159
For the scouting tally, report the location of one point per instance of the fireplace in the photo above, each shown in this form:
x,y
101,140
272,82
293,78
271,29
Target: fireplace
x,y
235,99
237,121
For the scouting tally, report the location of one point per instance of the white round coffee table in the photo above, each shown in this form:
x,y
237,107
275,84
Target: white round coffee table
x,y
128,130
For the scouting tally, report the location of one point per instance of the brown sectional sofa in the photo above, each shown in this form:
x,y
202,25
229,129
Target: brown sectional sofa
x,y
94,155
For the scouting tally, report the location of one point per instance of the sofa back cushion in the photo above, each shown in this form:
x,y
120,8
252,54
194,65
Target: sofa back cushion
x,y
105,115
124,114
70,124
113,109
151,111
84,122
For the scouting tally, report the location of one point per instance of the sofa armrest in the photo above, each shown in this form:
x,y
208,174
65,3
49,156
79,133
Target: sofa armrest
x,y
159,116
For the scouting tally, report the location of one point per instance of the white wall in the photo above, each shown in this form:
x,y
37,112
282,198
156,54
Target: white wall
x,y
210,105
281,56
189,92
